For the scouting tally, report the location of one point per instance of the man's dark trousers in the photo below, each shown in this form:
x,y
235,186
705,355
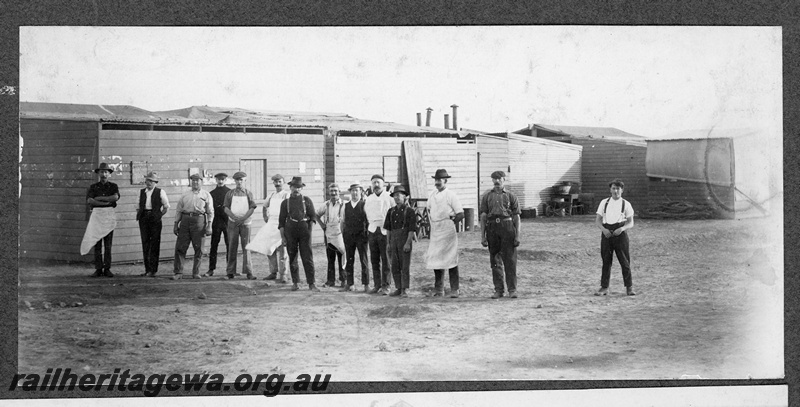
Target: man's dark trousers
x,y
298,241
150,231
618,245
218,228
401,261
351,244
333,255
102,261
501,241
380,259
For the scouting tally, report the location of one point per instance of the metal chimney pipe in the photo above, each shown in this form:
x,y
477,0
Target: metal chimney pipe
x,y
446,121
455,118
419,119
428,117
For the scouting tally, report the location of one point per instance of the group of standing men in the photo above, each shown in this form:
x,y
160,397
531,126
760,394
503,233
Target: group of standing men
x,y
381,221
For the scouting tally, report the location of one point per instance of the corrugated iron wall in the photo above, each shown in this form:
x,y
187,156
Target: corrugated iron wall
x,y
538,165
57,167
604,161
359,157
661,192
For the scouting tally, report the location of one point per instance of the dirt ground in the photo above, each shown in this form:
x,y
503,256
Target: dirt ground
x,y
710,305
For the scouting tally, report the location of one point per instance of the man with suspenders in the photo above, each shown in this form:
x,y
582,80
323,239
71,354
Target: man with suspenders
x,y
614,218
296,218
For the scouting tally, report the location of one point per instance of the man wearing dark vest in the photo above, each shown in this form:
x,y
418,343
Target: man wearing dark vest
x,y
295,221
354,232
614,217
220,226
153,204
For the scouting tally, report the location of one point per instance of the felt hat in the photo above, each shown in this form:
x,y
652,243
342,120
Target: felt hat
x,y
441,173
152,176
399,189
103,167
297,181
379,176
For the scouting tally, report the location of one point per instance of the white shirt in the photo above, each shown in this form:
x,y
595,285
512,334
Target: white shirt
x,y
613,214
148,195
443,204
377,206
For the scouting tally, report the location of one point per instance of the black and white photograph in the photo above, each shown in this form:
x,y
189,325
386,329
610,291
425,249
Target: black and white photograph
x,y
402,203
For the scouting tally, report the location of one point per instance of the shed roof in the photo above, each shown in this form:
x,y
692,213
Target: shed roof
x,y
591,132
218,116
698,134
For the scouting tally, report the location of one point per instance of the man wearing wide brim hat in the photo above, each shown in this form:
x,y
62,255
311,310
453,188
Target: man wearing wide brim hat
x,y
102,199
153,205
444,212
354,233
376,206
219,228
194,215
401,223
295,221
500,212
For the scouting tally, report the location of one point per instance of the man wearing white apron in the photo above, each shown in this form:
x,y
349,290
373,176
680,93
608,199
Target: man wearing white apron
x,y
102,199
239,207
329,217
444,212
269,237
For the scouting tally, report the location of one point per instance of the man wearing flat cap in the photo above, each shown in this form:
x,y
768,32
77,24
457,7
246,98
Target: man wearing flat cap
x,y
444,212
376,206
153,205
219,229
194,215
239,207
102,199
401,223
500,219
354,232
295,221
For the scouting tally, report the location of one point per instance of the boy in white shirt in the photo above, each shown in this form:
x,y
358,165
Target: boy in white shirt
x,y
614,217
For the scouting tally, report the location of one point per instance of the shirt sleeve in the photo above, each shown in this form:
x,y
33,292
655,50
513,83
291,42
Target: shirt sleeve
x,y
628,210
322,210
513,205
600,207
164,199
209,204
310,209
115,189
484,207
228,199
282,215
251,202
179,206
387,221
90,193
411,220
455,203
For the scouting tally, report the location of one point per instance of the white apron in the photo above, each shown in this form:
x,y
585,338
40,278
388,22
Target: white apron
x,y
268,238
102,222
333,233
443,249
